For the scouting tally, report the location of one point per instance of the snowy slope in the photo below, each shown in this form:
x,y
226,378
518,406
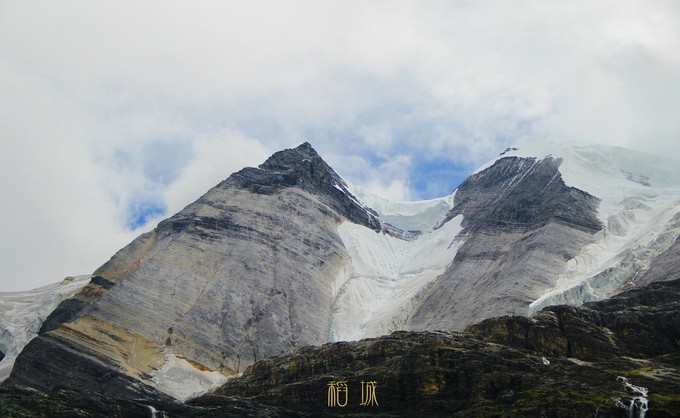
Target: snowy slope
x,y
22,314
180,379
408,216
377,295
639,204
387,275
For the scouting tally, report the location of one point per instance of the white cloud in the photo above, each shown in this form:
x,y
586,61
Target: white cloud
x,y
387,178
112,105
215,158
57,218
395,191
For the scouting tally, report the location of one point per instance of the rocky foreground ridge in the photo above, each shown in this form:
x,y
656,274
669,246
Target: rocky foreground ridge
x,y
602,359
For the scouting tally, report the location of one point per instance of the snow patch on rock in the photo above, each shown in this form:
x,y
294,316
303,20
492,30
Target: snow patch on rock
x,y
180,379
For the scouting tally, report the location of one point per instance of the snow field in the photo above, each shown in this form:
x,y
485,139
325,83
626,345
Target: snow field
x,y
23,313
387,273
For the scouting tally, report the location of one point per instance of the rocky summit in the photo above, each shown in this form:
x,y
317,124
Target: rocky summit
x,y
283,285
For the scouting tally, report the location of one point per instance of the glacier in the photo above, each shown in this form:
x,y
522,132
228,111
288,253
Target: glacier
x,y
22,314
387,273
639,207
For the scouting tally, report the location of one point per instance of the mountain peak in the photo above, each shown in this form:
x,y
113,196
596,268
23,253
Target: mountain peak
x,y
302,167
305,145
292,157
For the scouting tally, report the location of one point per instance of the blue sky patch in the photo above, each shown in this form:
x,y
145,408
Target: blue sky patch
x,y
436,178
140,213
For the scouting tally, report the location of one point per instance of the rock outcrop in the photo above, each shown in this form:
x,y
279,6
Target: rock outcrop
x,y
562,362
615,358
639,323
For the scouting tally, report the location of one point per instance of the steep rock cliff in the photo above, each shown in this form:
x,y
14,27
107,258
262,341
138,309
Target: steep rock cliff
x,y
247,271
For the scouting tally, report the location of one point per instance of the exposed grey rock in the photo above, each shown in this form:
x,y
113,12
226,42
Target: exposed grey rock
x,y
513,213
562,362
664,267
76,368
304,168
245,272
520,194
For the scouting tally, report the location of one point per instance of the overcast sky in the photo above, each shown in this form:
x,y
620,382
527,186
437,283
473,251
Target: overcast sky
x,y
116,114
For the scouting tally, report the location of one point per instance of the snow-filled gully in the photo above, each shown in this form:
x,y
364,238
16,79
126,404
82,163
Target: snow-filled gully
x,y
374,295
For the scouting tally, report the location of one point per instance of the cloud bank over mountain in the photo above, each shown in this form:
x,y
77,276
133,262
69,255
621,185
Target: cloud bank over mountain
x,y
116,114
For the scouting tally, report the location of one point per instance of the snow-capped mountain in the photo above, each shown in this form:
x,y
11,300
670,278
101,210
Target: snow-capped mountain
x,y
545,223
288,255
639,209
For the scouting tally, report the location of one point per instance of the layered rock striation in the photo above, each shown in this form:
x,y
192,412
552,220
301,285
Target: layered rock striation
x,y
614,358
246,271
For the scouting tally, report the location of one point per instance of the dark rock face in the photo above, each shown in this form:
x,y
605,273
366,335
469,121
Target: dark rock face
x,y
521,223
302,167
19,401
562,362
652,328
638,323
52,357
523,193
